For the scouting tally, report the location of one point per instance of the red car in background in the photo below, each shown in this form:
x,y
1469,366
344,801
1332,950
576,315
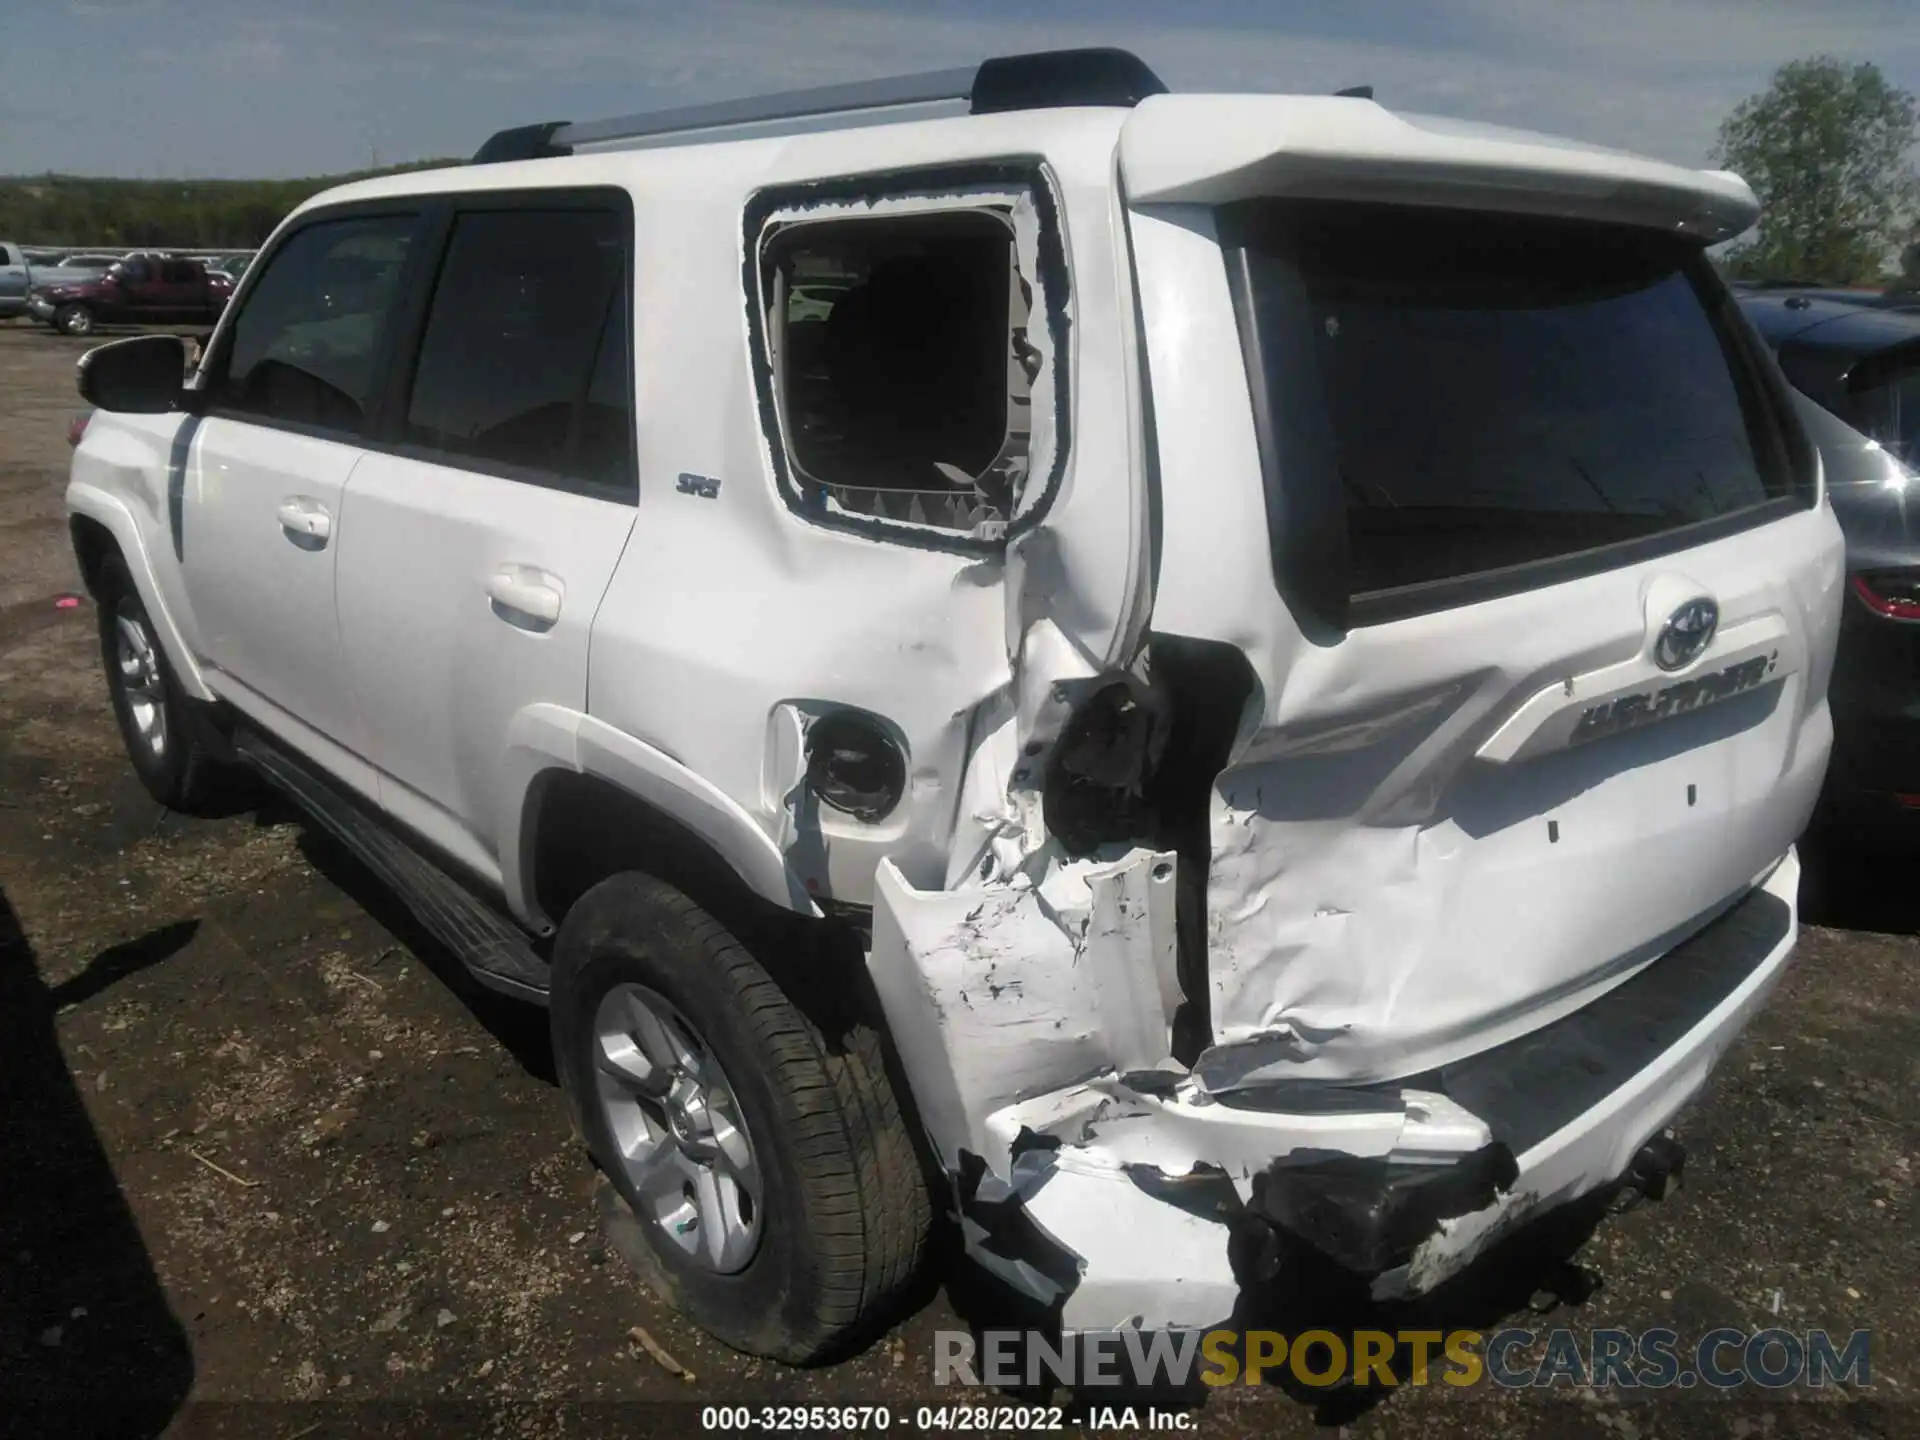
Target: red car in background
x,y
140,290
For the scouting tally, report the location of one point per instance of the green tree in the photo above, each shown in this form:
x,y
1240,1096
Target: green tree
x,y
1825,147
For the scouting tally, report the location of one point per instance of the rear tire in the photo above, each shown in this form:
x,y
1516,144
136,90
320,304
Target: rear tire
x,y
73,320
163,733
841,1215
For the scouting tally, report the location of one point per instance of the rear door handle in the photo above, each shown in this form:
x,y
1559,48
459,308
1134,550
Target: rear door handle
x,y
522,593
305,520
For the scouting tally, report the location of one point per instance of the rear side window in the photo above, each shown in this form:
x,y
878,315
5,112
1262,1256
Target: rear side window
x,y
524,364
302,348
179,272
903,366
1489,392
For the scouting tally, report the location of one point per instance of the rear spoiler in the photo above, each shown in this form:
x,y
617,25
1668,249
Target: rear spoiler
x,y
1216,149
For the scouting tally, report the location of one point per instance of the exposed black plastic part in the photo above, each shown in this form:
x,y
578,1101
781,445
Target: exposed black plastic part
x,y
1355,92
492,948
1370,1215
1656,1167
1006,1243
1096,780
523,142
1207,685
854,765
1049,79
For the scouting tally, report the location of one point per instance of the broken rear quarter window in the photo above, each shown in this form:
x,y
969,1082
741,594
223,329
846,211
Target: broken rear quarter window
x,y
902,366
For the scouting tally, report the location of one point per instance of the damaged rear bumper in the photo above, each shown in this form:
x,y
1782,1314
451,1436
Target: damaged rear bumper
x,y
1109,1185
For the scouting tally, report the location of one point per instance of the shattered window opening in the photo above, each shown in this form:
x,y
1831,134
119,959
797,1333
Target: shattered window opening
x,y
903,365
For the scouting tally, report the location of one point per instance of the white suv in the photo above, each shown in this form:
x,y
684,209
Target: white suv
x,y
1173,669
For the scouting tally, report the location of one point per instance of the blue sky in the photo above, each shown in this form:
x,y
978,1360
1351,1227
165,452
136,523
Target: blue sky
x,y
300,87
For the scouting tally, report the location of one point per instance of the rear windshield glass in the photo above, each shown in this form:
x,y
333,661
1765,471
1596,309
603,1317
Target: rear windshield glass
x,y
1485,392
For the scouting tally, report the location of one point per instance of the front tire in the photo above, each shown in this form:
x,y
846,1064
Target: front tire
x,y
164,737
73,320
775,1184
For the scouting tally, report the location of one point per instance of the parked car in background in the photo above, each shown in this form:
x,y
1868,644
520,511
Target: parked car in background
x,y
139,290
21,273
1856,366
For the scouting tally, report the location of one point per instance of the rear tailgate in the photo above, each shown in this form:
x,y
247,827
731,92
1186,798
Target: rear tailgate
x,y
1519,543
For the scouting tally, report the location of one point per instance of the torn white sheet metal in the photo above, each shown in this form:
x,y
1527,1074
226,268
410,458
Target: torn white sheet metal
x,y
1144,1262
998,994
1108,1124
1366,951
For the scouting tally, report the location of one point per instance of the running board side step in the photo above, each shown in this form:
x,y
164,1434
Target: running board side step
x,y
486,942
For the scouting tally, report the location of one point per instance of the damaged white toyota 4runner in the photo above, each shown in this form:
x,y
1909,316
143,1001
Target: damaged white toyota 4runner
x,y
1165,668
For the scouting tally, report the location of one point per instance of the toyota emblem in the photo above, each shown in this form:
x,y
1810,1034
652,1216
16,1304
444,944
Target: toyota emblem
x,y
1688,631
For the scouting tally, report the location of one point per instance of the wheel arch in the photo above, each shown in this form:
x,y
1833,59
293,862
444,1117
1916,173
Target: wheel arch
x,y
593,801
101,526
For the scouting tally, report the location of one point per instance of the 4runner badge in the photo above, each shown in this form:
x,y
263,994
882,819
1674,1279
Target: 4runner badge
x,y
1642,707
1687,632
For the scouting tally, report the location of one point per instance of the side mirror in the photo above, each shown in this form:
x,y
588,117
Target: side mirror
x,y
143,375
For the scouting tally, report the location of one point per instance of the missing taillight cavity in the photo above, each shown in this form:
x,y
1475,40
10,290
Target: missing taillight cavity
x,y
1095,789
854,766
1893,596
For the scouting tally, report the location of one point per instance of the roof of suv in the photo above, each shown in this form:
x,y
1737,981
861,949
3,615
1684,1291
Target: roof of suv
x,y
1207,149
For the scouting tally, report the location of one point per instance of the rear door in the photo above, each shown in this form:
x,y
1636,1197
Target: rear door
x,y
289,389
1537,599
480,538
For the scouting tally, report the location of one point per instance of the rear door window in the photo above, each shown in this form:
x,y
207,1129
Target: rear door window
x,y
301,351
523,368
1484,393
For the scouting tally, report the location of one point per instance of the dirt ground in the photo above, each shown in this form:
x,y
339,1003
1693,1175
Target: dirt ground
x,y
270,1165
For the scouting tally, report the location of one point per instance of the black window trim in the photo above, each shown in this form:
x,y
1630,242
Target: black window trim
x,y
1028,174
397,351
1326,605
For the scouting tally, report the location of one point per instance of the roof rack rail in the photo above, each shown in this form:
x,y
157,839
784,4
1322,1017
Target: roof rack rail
x,y
1046,79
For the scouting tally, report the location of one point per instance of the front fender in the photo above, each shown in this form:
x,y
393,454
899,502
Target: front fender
x,y
88,499
545,737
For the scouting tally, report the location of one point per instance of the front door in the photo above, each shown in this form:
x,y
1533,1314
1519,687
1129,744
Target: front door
x,y
286,399
478,543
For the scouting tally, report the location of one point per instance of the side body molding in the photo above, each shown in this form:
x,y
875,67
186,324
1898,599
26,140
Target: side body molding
x,y
546,737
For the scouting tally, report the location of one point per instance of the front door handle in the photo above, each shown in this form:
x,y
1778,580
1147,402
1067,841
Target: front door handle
x,y
521,593
305,521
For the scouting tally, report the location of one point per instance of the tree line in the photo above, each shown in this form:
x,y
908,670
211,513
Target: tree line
x,y
175,214
1827,148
